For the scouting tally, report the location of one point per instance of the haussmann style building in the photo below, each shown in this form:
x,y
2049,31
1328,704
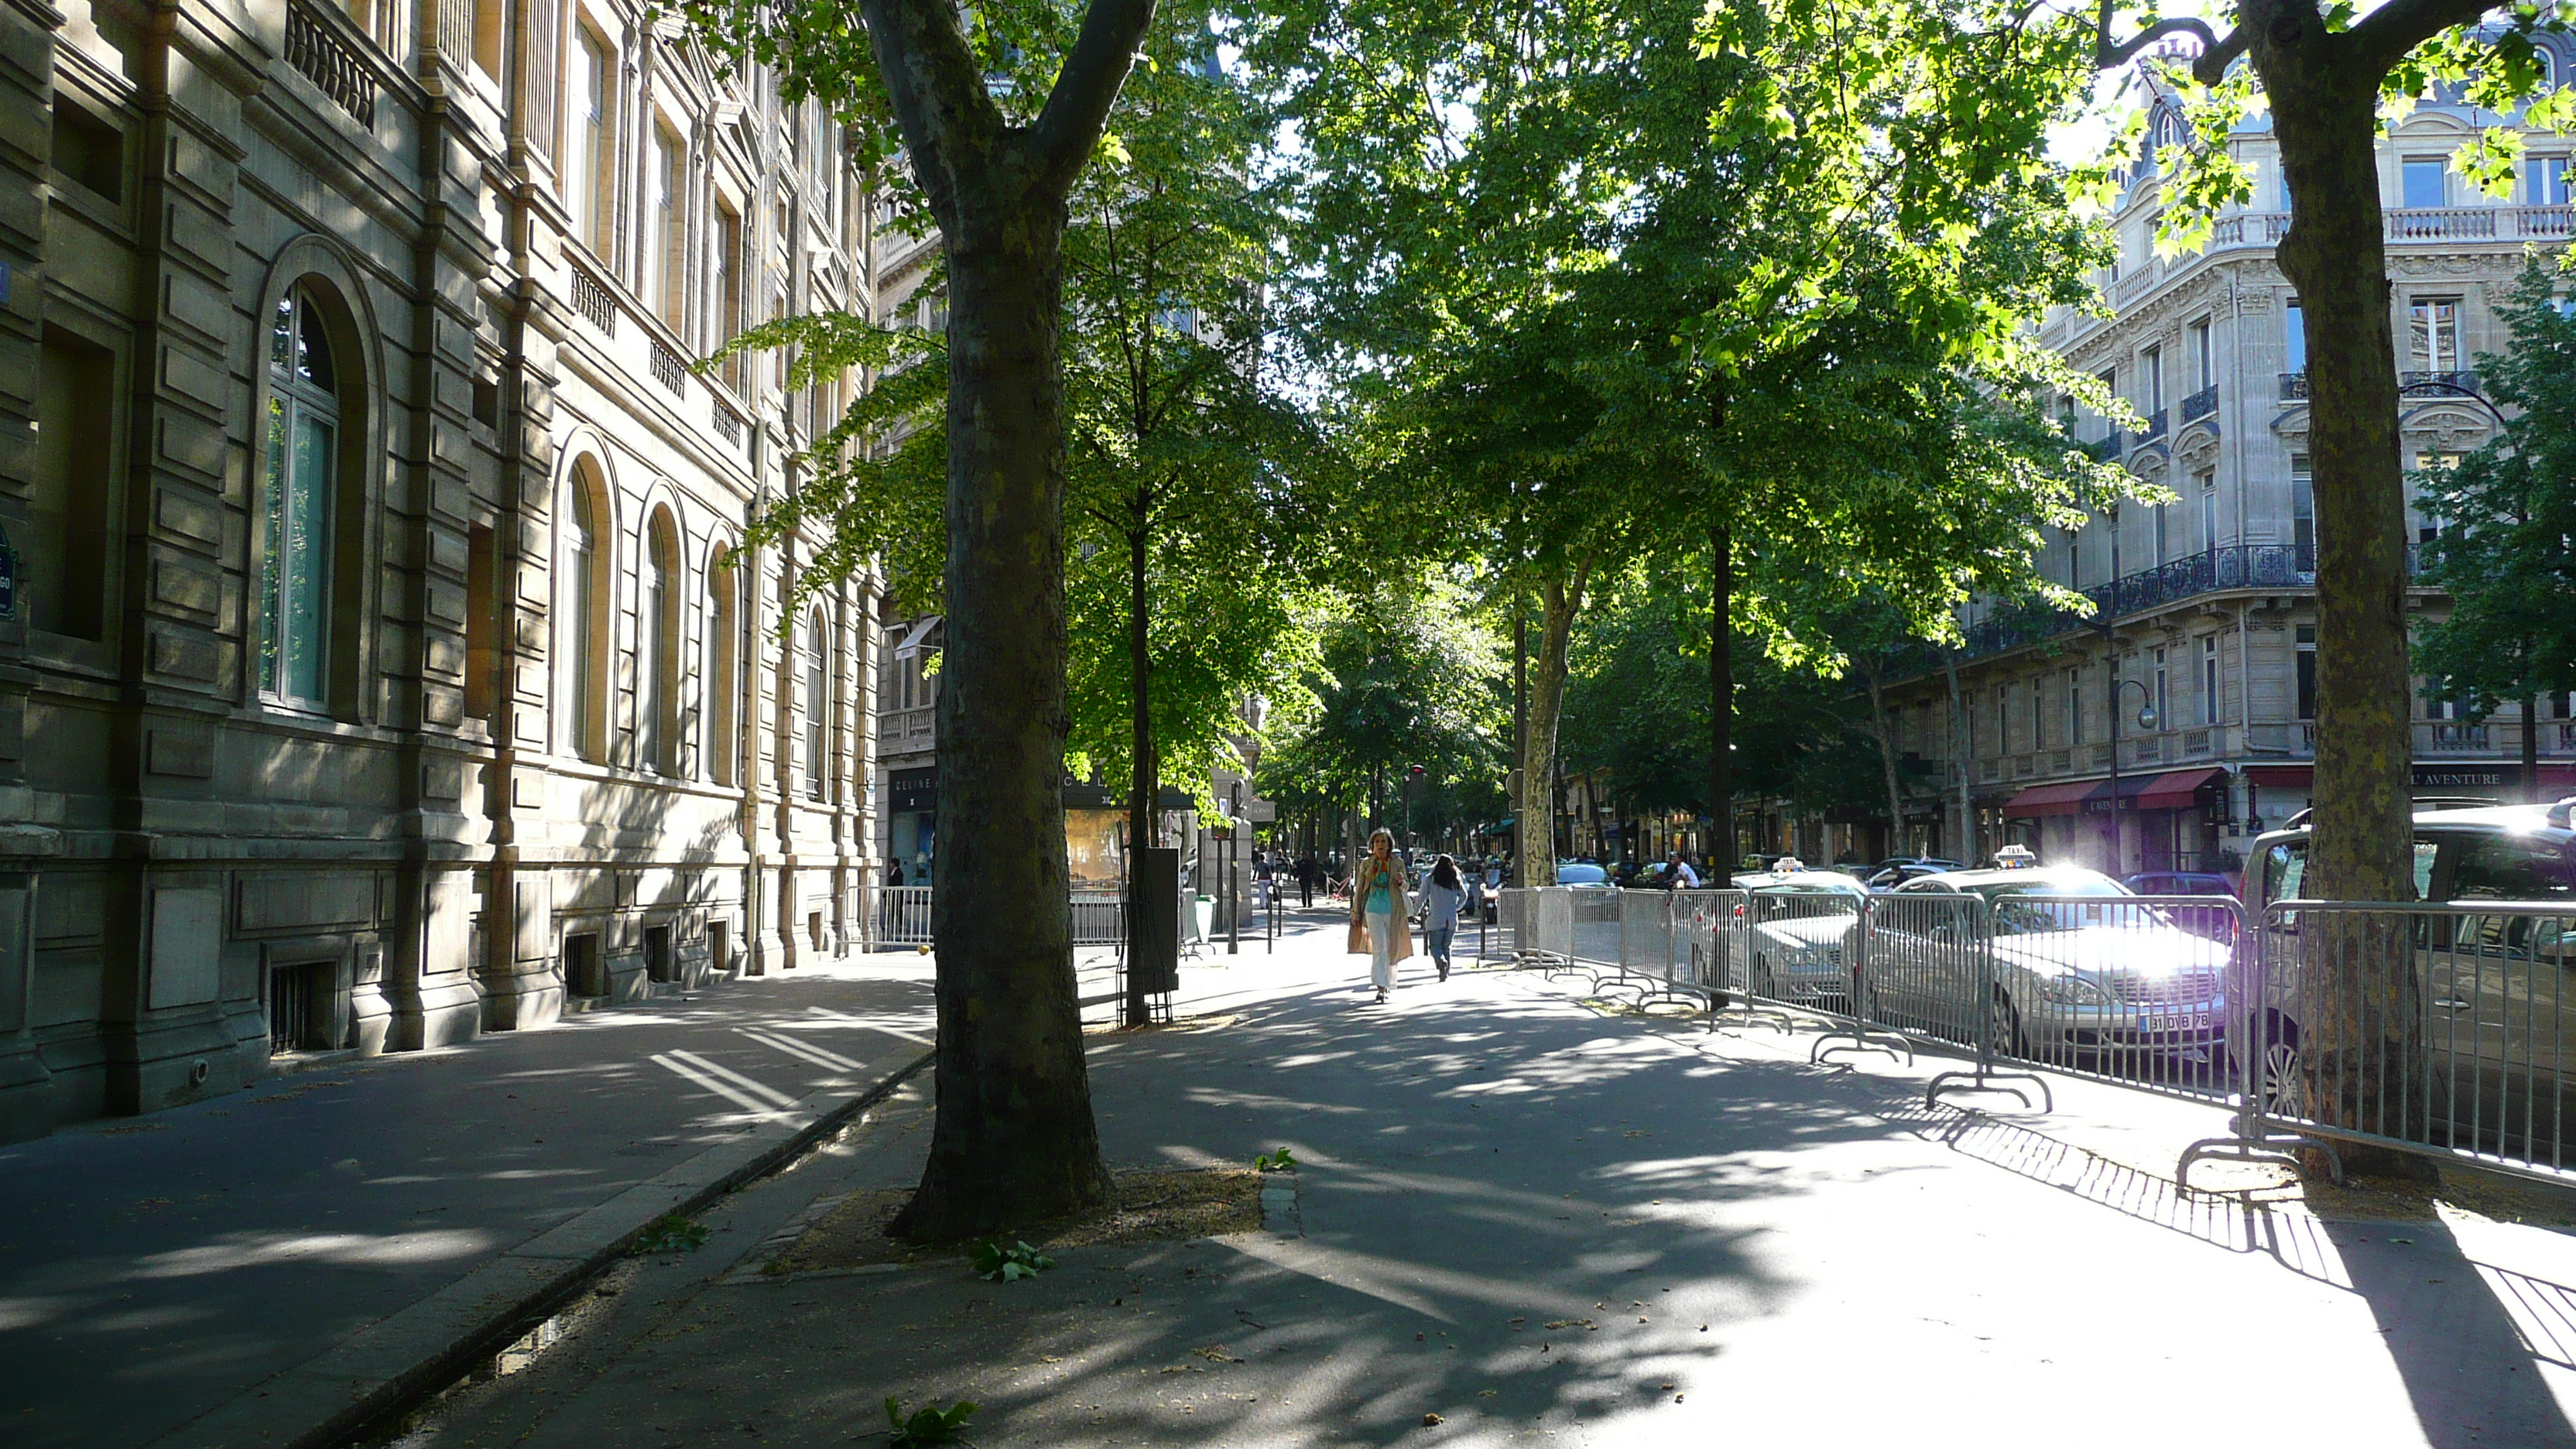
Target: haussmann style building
x,y
2205,607
378,666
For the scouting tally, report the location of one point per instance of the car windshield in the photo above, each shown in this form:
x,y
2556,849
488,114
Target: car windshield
x,y
2016,914
1807,888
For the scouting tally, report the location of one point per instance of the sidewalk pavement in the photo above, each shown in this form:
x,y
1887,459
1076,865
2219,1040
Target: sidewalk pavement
x,y
248,1270
1542,1225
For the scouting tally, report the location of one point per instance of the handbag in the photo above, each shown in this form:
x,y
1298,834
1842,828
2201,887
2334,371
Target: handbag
x,y
1359,938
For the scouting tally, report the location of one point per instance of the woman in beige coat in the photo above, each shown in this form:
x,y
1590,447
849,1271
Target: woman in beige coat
x,y
1378,906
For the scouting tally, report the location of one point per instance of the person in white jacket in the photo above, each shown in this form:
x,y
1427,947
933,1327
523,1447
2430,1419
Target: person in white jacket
x,y
1378,907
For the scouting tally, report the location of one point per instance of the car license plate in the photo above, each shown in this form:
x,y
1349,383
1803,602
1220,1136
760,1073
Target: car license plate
x,y
2171,1023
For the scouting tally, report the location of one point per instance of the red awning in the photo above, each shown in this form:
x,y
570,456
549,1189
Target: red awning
x,y
2065,799
2172,790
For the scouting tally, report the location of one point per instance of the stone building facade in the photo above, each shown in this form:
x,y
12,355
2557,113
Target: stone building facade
x,y
2205,606
380,668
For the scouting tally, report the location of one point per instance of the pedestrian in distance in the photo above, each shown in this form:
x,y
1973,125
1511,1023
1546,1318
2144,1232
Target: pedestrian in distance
x,y
1379,912
1443,892
1678,874
1306,873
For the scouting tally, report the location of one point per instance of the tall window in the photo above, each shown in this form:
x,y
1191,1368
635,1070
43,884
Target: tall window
x,y
2152,364
657,662
2164,532
2294,337
2203,373
2208,510
728,290
2426,181
2074,706
2164,716
2545,180
2307,677
64,552
817,709
2036,689
664,241
2003,720
722,686
2303,514
587,153
2209,679
298,532
2433,334
581,625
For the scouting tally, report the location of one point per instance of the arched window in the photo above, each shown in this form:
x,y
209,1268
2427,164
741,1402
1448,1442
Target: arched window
x,y
724,584
657,660
582,606
817,709
299,530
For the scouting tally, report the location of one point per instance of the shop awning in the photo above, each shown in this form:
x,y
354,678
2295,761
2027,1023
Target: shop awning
x,y
2037,800
2279,777
2172,790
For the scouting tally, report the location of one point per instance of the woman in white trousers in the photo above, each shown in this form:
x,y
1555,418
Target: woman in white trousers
x,y
1378,905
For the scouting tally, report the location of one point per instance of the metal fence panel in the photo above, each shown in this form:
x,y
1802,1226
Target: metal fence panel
x,y
1708,935
897,916
1800,949
2131,989
1552,921
1594,911
1646,934
1099,919
2433,1027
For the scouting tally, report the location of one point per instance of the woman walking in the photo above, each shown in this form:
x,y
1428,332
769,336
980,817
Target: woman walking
x,y
1442,894
1378,907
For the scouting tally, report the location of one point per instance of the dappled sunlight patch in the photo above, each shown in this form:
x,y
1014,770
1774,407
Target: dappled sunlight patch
x,y
351,1250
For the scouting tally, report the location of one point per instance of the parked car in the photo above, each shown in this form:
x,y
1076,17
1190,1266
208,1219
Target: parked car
x,y
2500,1016
1888,874
2081,969
1802,928
1580,872
2179,883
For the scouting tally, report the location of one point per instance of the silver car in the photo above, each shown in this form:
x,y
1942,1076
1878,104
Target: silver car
x,y
1802,929
2082,968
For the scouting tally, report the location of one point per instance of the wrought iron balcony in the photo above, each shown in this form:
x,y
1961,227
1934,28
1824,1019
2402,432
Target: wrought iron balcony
x,y
2155,426
2437,383
2294,385
2200,404
2237,566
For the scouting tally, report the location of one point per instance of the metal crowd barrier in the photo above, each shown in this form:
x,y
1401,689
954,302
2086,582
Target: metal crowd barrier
x,y
2438,1028
2452,1025
894,916
1099,919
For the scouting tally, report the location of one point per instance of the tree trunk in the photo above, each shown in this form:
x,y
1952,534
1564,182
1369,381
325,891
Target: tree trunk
x,y
1721,698
1559,599
1521,836
1878,727
2531,746
1144,773
1964,843
2363,1048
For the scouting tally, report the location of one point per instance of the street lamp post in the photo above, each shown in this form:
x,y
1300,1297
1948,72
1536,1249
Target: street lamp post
x,y
2147,720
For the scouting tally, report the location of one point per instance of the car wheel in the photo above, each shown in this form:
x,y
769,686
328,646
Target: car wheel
x,y
2285,1079
2003,1027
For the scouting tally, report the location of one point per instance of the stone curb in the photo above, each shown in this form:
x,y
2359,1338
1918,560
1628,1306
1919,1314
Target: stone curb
x,y
1281,1216
386,1366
